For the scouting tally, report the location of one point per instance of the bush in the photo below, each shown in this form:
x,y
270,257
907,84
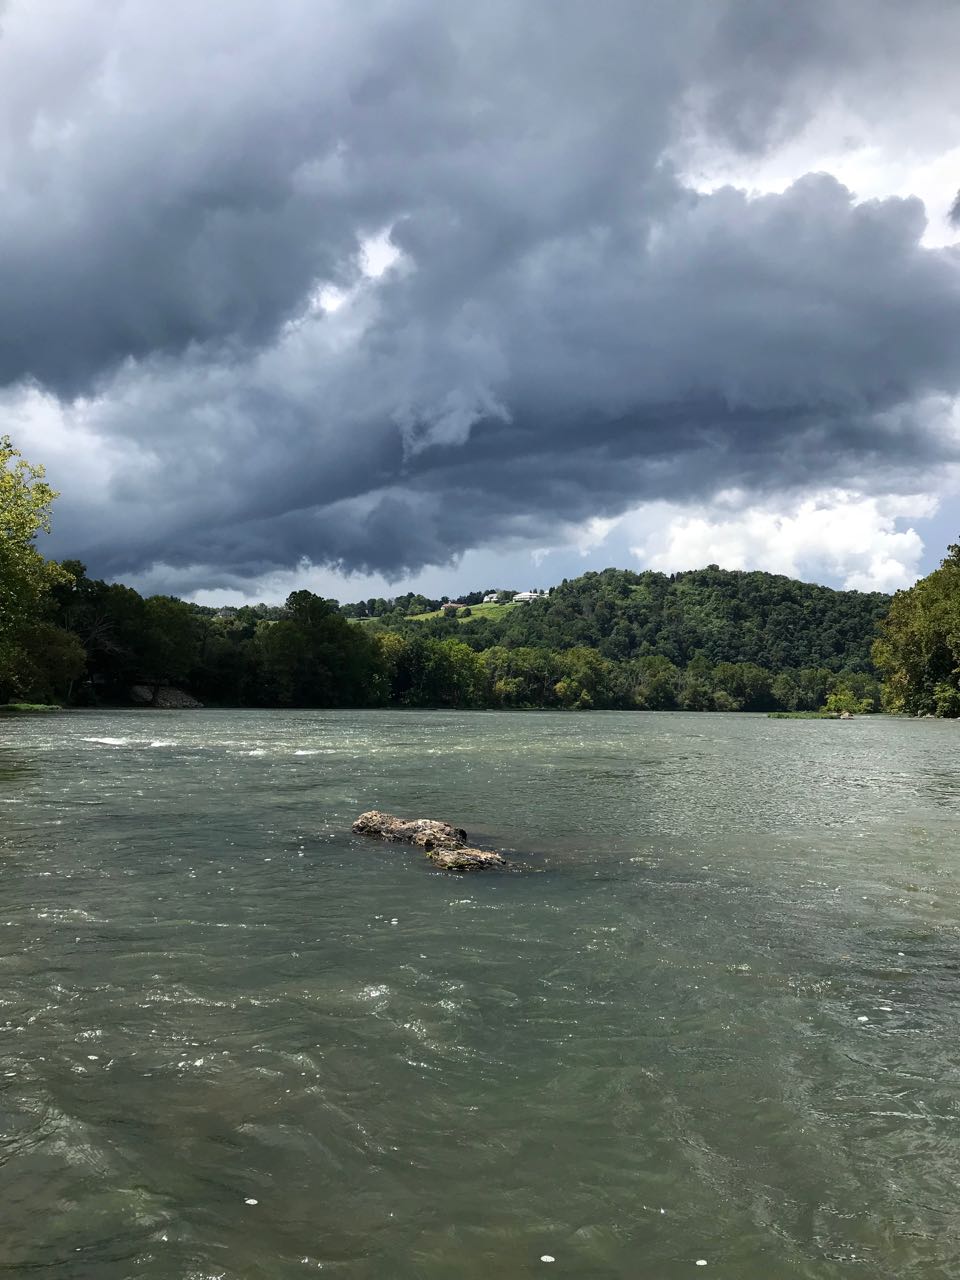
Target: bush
x,y
946,700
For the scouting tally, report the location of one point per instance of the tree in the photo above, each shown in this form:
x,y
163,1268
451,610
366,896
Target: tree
x,y
657,684
53,659
842,698
695,693
918,651
25,576
314,657
171,640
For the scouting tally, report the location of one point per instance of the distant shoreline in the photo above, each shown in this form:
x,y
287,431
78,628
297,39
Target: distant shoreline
x,y
10,710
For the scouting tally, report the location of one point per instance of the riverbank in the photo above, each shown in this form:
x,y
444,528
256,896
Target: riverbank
x,y
27,708
811,715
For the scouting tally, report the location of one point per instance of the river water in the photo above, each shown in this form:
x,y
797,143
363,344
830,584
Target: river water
x,y
709,1027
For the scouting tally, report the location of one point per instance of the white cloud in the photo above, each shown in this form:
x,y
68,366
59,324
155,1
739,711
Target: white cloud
x,y
378,254
594,533
65,441
873,159
835,535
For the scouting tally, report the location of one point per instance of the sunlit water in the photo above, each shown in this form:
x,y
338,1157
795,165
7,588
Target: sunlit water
x,y
713,1020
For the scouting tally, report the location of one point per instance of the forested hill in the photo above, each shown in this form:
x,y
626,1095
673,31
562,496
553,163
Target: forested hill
x,y
721,615
704,641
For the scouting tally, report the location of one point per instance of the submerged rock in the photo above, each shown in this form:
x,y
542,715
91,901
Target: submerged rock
x,y
425,832
446,846
465,859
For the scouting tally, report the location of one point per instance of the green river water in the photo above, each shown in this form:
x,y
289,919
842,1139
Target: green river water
x,y
709,1029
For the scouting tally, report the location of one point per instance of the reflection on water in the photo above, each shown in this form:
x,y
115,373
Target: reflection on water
x,y
718,1024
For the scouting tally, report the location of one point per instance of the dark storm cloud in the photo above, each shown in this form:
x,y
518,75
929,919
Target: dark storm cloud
x,y
570,329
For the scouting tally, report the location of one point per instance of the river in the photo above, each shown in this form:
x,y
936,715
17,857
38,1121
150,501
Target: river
x,y
709,1026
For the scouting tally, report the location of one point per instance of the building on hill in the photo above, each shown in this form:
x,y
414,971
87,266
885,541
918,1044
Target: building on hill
x,y
523,596
491,597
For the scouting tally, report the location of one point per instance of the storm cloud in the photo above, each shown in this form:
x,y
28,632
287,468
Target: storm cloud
x,y
565,323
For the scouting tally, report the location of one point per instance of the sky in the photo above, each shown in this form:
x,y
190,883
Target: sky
x,y
435,295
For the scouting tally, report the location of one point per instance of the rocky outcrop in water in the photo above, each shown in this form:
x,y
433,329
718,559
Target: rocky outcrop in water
x,y
446,846
165,697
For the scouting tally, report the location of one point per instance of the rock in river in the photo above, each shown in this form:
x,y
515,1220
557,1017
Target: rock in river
x,y
444,845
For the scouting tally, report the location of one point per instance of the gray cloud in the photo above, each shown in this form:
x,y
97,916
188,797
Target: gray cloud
x,y
570,329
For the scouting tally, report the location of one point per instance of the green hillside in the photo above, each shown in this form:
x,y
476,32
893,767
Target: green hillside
x,y
469,612
714,614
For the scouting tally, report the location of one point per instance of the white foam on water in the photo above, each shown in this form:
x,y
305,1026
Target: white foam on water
x,y
71,915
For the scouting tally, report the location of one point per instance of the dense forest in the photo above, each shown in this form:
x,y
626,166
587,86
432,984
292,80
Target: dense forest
x,y
708,640
918,652
714,614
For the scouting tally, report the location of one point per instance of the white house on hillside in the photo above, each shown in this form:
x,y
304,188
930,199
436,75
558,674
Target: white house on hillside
x,y
522,596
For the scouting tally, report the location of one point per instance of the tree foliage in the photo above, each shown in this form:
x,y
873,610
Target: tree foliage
x,y
27,657
918,651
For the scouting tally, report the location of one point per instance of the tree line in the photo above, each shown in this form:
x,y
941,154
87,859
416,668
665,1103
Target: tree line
x,y
918,650
709,640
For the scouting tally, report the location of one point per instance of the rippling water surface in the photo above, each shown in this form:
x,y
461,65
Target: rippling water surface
x,y
714,1019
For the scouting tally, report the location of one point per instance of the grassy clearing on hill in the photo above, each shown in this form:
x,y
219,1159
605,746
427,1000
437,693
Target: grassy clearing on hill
x,y
476,611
